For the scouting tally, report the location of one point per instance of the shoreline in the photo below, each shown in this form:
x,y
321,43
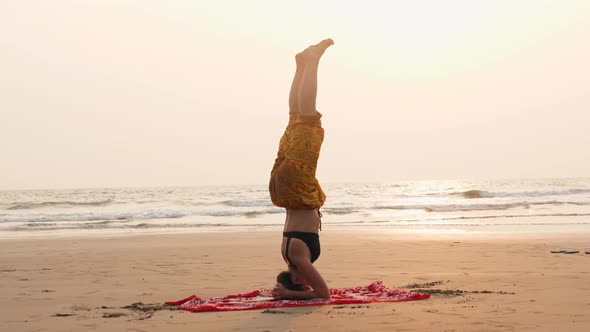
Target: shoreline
x,y
483,232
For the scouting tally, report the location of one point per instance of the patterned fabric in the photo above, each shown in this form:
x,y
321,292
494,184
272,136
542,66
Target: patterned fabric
x,y
292,182
262,299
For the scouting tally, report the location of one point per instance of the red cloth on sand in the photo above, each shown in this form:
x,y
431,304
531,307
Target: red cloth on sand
x,y
262,299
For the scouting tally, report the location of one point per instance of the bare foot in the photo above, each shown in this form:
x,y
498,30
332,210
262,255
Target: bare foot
x,y
315,52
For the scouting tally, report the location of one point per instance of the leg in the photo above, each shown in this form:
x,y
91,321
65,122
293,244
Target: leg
x,y
294,93
309,82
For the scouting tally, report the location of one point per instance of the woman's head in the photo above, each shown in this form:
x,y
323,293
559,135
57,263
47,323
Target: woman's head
x,y
290,281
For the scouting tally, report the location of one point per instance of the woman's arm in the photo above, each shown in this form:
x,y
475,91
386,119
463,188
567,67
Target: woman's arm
x,y
282,293
313,277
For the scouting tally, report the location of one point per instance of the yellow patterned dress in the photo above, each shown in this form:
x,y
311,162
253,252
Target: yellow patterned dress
x,y
292,181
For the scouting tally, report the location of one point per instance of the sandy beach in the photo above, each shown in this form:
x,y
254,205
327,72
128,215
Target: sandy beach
x,y
478,283
155,150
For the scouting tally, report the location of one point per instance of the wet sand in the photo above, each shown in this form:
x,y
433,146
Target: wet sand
x,y
119,283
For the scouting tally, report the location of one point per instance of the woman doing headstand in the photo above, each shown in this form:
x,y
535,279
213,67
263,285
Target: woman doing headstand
x,y
293,184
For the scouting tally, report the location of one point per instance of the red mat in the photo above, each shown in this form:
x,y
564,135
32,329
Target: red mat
x,y
262,299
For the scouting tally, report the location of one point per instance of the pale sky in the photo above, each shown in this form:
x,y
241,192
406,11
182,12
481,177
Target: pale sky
x,y
104,93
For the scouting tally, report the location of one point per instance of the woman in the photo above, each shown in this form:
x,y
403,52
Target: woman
x,y
294,187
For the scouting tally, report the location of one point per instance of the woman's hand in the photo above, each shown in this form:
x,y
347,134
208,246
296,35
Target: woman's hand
x,y
280,292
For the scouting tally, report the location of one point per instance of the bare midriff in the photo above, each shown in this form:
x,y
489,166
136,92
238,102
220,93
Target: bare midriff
x,y
300,220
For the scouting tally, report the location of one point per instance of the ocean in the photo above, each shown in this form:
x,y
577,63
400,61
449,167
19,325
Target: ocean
x,y
534,205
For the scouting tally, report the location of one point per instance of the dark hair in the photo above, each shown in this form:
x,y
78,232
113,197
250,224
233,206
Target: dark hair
x,y
284,278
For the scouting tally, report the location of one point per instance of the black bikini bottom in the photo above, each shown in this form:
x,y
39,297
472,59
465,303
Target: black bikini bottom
x,y
312,240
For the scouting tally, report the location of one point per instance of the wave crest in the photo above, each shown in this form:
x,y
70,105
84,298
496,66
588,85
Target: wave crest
x,y
247,203
33,205
473,207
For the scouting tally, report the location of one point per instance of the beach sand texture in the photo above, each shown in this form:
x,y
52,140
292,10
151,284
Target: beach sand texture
x,y
478,283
